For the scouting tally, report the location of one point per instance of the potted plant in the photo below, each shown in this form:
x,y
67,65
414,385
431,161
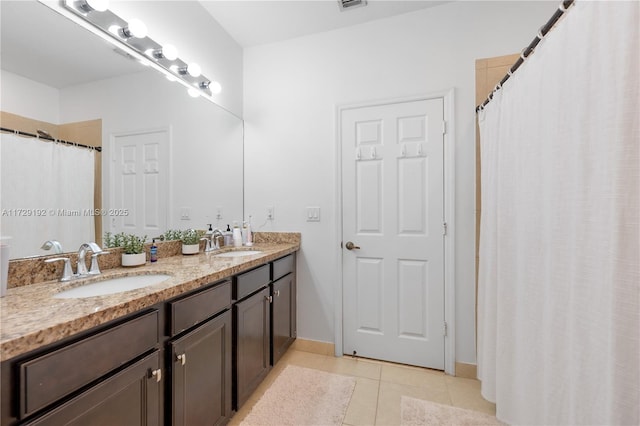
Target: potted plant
x,y
191,241
171,235
132,247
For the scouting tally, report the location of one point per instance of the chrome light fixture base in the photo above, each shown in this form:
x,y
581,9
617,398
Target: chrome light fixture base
x,y
114,26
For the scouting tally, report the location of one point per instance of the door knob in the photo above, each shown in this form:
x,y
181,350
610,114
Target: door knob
x,y
351,246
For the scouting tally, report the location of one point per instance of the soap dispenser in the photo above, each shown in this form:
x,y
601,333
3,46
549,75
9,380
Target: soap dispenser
x,y
153,251
228,237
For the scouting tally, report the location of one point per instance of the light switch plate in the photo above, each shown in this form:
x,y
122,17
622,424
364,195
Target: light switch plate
x,y
313,214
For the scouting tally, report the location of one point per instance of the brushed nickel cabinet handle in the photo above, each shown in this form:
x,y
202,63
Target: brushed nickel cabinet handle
x,y
157,374
182,358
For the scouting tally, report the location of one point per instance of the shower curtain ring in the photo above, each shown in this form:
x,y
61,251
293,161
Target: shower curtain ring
x,y
540,35
561,7
522,55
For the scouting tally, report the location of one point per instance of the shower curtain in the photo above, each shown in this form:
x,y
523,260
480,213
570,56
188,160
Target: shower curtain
x,y
47,192
559,277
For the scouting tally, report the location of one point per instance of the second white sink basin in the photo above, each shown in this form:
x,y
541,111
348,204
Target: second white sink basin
x,y
112,286
238,253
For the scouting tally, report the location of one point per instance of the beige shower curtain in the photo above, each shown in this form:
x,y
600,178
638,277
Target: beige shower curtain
x,y
46,192
559,276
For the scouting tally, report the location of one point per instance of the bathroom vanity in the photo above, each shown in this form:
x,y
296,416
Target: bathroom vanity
x,y
189,350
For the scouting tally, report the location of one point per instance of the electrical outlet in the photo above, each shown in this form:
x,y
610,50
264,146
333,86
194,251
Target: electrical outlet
x,y
185,214
270,213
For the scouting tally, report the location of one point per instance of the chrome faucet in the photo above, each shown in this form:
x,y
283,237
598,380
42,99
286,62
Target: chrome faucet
x,y
212,240
215,238
67,273
52,244
82,266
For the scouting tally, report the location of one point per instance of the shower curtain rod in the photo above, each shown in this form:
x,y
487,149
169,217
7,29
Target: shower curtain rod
x,y
564,6
49,138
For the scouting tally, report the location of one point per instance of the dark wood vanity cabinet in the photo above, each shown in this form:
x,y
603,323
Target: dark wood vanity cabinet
x,y
283,306
283,311
109,375
190,360
264,322
251,344
199,358
201,374
129,397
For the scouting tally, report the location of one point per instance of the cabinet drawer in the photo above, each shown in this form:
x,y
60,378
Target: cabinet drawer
x,y
283,266
49,377
193,309
125,398
251,281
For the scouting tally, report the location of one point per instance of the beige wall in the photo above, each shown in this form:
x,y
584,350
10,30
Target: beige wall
x,y
489,72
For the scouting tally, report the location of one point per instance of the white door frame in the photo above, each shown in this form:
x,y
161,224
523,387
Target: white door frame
x,y
449,218
108,159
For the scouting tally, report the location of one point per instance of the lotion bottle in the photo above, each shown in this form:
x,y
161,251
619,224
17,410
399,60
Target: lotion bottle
x,y
249,233
237,235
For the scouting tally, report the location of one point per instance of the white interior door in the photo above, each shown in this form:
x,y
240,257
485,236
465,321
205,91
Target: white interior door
x,y
140,168
393,202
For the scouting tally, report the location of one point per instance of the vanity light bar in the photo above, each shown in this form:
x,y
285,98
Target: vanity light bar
x,y
111,25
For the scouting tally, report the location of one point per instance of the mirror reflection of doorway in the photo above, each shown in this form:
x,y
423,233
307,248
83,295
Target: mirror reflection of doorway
x,y
140,170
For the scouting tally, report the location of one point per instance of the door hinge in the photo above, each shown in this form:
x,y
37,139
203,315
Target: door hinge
x,y
444,127
444,228
445,329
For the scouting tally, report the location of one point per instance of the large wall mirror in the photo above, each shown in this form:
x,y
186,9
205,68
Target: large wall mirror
x,y
168,161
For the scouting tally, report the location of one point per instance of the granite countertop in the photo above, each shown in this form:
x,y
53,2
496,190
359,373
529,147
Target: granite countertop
x,y
31,318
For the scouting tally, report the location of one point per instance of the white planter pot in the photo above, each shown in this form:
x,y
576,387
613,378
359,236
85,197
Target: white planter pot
x,y
134,259
190,248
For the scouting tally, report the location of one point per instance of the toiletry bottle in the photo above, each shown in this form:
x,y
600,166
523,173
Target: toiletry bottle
x,y
209,231
228,237
249,233
237,235
244,233
153,251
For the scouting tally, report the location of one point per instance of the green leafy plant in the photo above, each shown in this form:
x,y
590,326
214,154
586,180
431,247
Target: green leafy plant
x,y
130,243
191,236
172,234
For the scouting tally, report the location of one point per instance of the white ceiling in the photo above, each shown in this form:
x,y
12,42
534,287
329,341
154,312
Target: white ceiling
x,y
253,22
41,45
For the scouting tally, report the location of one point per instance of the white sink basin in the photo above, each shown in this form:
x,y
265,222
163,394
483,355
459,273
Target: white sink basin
x,y
112,286
238,253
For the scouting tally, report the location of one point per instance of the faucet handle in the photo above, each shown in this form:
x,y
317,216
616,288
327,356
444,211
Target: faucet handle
x,y
207,243
95,268
67,272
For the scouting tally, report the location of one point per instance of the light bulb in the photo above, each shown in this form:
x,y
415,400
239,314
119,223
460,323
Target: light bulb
x,y
136,28
170,52
114,29
194,93
215,87
98,5
194,69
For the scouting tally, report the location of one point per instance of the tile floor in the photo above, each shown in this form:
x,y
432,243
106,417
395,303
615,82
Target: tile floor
x,y
379,386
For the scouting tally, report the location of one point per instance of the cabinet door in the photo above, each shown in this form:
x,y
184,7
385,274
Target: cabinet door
x,y
130,397
283,309
201,374
252,354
